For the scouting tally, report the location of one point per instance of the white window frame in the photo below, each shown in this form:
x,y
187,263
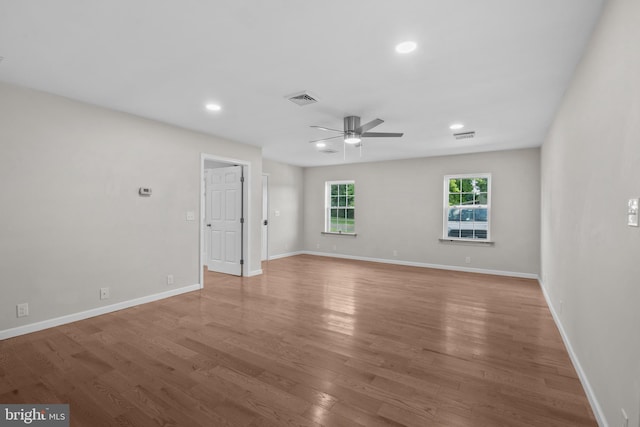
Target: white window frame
x,y
445,210
327,206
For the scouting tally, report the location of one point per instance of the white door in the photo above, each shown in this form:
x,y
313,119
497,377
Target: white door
x,y
223,213
265,217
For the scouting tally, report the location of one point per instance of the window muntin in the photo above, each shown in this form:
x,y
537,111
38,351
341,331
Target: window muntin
x,y
467,207
340,207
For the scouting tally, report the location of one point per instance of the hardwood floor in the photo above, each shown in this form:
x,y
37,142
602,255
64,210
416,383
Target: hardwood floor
x,y
313,341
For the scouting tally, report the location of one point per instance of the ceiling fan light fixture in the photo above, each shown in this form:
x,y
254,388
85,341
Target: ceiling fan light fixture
x,y
352,139
406,46
213,107
321,144
456,126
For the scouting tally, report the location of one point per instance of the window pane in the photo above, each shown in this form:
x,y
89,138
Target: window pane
x,y
351,189
334,201
334,190
350,201
342,189
467,199
454,199
467,185
481,215
482,185
481,198
454,186
342,201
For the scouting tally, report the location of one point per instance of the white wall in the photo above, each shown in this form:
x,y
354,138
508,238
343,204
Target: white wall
x,y
286,193
71,218
399,206
590,257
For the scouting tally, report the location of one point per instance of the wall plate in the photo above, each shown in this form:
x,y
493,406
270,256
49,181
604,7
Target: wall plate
x,y
632,213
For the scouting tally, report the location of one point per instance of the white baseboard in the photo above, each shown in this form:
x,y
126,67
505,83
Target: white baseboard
x,y
272,257
46,324
427,265
595,405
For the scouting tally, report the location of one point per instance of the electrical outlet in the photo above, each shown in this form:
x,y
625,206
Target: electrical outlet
x,y
170,279
22,310
468,260
104,293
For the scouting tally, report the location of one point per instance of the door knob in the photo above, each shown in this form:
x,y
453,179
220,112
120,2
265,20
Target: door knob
x,y
208,225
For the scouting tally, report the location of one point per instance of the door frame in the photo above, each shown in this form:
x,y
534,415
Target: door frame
x,y
246,212
265,189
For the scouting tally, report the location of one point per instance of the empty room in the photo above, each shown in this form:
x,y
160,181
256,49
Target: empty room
x,y
337,213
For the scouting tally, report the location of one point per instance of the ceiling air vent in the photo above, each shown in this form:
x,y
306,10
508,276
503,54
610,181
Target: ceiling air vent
x,y
464,135
302,98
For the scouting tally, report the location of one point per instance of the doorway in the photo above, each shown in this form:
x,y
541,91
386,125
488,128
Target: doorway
x,y
224,212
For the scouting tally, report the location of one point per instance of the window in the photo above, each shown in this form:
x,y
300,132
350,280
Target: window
x,y
340,207
467,207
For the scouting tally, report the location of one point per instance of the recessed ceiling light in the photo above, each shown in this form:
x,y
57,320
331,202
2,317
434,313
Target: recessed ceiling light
x,y
213,107
406,47
456,126
321,144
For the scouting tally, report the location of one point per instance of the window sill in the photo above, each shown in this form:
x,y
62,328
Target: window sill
x,y
339,234
470,241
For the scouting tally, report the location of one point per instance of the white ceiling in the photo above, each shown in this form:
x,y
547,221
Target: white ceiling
x,y
499,66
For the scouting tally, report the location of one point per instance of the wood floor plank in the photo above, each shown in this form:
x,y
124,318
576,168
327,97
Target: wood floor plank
x,y
312,342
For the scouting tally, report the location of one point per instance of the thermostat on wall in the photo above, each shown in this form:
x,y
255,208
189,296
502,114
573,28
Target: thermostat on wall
x,y
144,191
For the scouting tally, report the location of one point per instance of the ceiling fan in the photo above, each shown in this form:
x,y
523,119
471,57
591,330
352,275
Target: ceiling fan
x,y
353,131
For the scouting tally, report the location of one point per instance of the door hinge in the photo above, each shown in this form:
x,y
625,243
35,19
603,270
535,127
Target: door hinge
x,y
241,220
242,179
241,262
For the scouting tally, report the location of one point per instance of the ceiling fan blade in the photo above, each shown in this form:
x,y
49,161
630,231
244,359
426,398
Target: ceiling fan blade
x,y
381,135
325,139
365,127
327,129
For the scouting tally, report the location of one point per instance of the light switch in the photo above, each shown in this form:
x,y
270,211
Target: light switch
x,y
191,216
276,213
632,213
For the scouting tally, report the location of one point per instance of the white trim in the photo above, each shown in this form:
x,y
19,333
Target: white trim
x,y
427,265
591,396
46,324
253,273
285,255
